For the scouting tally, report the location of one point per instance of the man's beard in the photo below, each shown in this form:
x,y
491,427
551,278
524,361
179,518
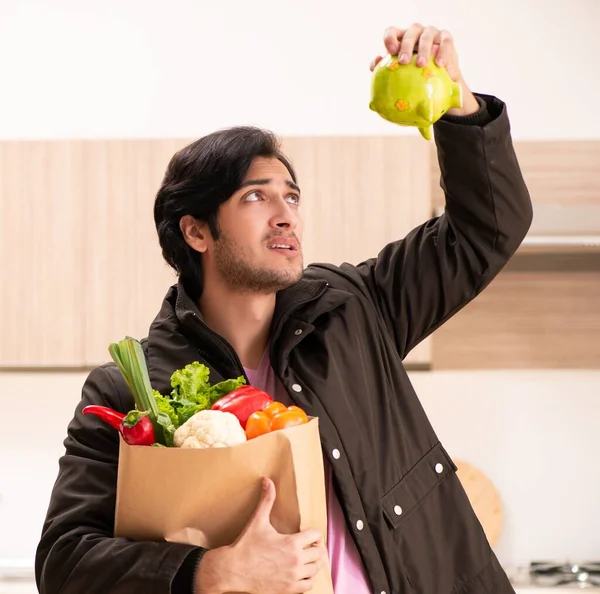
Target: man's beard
x,y
238,273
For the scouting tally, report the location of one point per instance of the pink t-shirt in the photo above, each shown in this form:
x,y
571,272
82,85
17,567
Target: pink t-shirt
x,y
347,570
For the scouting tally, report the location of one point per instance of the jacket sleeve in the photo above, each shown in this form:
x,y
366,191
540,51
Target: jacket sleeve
x,y
419,282
77,551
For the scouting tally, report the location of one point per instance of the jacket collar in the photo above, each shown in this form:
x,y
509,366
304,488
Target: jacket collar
x,y
178,334
307,299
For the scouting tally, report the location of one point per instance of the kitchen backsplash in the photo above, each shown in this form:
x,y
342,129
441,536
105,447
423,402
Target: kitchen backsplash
x,y
533,433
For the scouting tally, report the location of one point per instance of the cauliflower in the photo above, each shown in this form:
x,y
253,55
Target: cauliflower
x,y
210,429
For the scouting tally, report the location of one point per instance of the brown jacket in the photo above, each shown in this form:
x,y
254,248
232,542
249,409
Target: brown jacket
x,y
338,340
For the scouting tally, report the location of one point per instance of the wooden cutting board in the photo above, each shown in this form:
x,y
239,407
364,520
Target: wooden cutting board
x,y
484,498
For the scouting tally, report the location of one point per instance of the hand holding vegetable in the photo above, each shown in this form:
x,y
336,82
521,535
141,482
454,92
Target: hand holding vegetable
x,y
263,561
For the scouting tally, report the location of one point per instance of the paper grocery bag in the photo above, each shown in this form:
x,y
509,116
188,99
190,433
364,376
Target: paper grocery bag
x,y
206,497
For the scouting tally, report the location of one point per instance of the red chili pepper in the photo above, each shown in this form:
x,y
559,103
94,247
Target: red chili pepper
x,y
242,402
135,427
110,416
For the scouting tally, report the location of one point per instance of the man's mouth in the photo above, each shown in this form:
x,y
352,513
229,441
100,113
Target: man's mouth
x,y
284,244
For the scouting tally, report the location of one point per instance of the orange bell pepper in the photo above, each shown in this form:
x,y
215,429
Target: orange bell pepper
x,y
274,417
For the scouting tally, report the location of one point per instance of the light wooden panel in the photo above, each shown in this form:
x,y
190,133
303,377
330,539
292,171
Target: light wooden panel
x,y
362,193
125,275
41,253
81,265
530,319
556,173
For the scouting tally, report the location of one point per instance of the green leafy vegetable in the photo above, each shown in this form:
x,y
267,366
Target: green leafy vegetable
x,y
167,406
186,412
225,387
191,382
191,387
129,358
191,390
131,361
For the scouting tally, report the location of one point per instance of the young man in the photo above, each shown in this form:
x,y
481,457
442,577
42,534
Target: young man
x,y
331,339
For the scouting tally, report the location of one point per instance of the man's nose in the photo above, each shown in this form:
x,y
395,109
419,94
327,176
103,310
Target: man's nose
x,y
285,217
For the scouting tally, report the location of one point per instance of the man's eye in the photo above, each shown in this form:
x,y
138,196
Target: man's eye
x,y
294,199
253,197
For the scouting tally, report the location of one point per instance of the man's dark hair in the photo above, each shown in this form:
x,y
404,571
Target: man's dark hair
x,y
199,178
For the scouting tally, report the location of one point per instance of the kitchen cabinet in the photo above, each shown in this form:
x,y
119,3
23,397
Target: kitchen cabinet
x,y
543,310
81,262
559,173
81,266
42,253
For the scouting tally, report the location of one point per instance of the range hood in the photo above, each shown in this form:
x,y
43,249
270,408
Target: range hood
x,y
564,228
557,228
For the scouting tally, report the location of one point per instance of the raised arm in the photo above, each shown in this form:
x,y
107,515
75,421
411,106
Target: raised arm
x,y
422,280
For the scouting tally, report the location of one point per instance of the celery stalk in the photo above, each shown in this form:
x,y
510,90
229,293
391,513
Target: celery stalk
x,y
128,355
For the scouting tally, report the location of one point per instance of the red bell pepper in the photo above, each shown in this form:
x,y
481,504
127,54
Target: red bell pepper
x,y
242,402
135,427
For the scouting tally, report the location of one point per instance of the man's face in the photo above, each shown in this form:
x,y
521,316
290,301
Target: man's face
x,y
259,248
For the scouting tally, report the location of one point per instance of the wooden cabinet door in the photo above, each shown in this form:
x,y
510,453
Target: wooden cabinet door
x,y
125,276
543,309
42,296
81,264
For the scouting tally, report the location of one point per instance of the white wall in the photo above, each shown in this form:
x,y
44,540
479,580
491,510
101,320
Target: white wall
x,y
533,433
132,68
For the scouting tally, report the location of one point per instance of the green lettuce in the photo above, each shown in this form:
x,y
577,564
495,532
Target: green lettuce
x,y
191,387
191,393
165,405
225,387
190,382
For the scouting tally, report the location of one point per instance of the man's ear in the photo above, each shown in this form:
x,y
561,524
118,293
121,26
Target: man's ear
x,y
196,233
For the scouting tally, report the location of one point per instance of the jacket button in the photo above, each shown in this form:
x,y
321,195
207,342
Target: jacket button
x,y
439,468
298,332
336,454
397,510
360,525
297,388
